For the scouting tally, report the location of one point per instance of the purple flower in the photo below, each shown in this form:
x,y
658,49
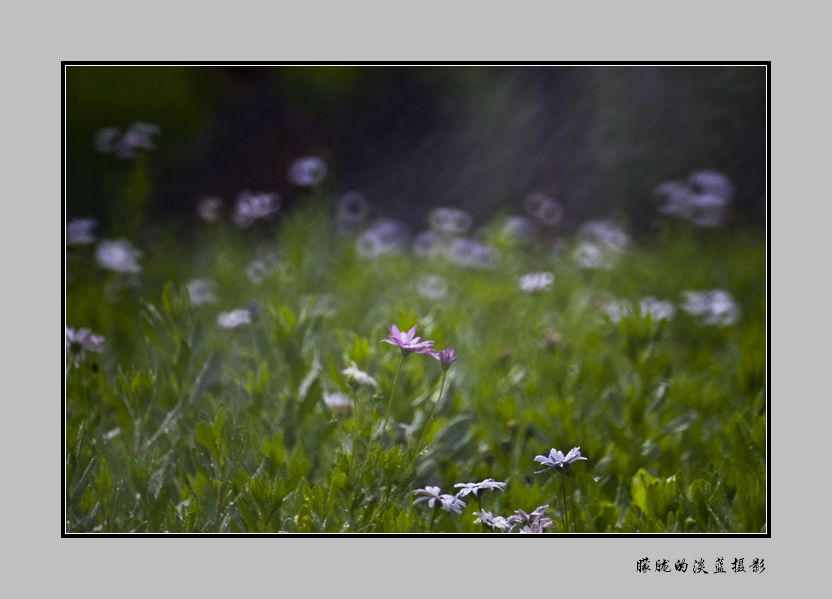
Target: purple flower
x,y
493,521
407,342
446,357
534,522
81,341
488,483
556,459
447,502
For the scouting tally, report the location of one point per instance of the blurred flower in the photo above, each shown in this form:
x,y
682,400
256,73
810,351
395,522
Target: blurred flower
x,y
234,319
703,200
137,136
256,271
497,522
307,171
536,281
657,309
81,341
382,237
617,309
360,377
104,140
715,307
556,459
446,357
534,522
489,484
428,243
518,228
449,221
471,254
209,209
110,141
252,206
407,342
432,495
432,287
118,255
352,209
606,233
201,291
543,208
79,231
338,402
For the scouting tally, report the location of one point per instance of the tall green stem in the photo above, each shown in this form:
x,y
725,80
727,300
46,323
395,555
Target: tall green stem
x,y
430,417
392,393
563,488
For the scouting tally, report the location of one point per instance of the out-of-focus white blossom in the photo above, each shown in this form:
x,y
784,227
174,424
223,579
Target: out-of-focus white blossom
x,y
139,135
657,309
536,281
703,200
209,209
201,291
352,210
606,233
251,206
715,307
449,221
79,342
471,254
256,271
543,208
384,236
360,377
118,255
234,319
338,402
79,231
432,287
307,171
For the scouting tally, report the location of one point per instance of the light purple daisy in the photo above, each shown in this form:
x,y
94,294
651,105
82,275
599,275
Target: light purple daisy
x,y
556,459
407,342
489,484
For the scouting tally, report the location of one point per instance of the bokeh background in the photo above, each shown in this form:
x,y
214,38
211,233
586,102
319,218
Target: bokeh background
x,y
598,139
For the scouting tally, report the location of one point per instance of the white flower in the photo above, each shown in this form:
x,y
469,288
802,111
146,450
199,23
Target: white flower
x,y
715,307
137,136
256,271
617,309
536,281
251,206
497,522
606,233
359,376
489,484
447,502
234,319
657,309
449,221
79,231
432,287
81,341
471,254
338,401
703,200
307,172
545,209
209,209
556,459
201,291
383,237
118,255
592,255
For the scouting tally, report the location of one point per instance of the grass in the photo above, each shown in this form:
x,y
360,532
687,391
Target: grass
x,y
182,426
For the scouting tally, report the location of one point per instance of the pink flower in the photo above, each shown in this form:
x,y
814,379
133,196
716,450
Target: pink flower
x,y
446,357
407,342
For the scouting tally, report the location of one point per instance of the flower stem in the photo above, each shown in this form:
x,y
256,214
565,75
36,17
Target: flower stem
x,y
563,488
392,393
562,510
430,417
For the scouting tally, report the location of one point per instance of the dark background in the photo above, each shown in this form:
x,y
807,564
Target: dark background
x,y
597,138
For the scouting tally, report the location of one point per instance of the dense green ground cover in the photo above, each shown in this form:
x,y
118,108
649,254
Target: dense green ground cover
x,y
182,425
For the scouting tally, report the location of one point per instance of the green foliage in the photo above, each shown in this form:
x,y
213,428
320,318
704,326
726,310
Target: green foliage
x,y
184,426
